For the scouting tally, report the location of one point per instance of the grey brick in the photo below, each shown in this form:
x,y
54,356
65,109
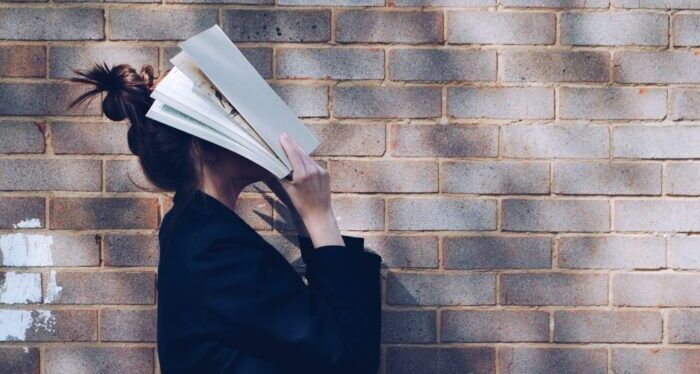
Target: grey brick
x,y
441,289
492,252
18,212
71,359
47,175
382,176
683,326
612,252
655,360
408,326
554,66
329,63
126,176
23,61
22,137
442,65
99,213
612,103
494,326
446,213
90,137
63,59
305,101
606,178
387,102
22,249
378,26
359,213
443,360
684,252
501,102
468,27
494,177
657,215
654,289
685,104
521,360
556,141
130,250
556,215
52,24
157,24
251,25
259,57
614,28
681,178
444,140
565,4
124,325
247,2
686,29
405,251
20,359
333,2
554,289
656,142
439,3
657,67
655,4
349,139
52,325
605,326
37,99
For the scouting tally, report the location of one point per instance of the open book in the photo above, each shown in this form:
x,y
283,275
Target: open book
x,y
214,93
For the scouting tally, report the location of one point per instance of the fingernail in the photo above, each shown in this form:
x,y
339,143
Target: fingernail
x,y
285,135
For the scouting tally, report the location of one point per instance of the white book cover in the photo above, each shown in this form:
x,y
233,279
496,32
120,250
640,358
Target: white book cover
x,y
214,93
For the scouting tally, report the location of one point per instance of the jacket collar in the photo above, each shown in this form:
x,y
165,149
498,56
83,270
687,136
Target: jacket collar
x,y
203,203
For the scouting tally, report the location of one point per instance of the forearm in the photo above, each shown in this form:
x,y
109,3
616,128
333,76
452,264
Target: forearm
x,y
323,229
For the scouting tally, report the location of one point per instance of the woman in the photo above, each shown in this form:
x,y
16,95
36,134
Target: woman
x,y
228,302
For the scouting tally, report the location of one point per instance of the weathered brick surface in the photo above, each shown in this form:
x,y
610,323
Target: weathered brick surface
x,y
24,60
556,141
593,326
41,175
441,289
103,213
330,63
444,140
356,26
606,178
494,177
504,102
98,359
554,289
500,28
553,360
612,252
554,66
124,325
52,23
442,65
612,103
556,215
447,213
614,28
492,252
22,137
527,170
654,360
494,326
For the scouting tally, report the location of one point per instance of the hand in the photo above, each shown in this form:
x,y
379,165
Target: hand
x,y
310,194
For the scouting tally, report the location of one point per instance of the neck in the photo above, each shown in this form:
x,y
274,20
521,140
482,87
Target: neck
x,y
224,190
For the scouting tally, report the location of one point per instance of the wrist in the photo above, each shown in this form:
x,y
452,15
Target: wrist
x,y
322,228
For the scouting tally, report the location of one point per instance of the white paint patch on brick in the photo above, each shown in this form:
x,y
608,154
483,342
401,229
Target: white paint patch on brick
x,y
31,223
52,288
20,249
20,288
15,323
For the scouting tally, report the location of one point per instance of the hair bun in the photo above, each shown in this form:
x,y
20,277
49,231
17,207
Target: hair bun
x,y
148,76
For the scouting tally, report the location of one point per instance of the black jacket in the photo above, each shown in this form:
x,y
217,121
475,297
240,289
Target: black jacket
x,y
229,302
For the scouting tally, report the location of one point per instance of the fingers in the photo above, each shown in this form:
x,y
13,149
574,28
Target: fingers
x,y
310,164
294,155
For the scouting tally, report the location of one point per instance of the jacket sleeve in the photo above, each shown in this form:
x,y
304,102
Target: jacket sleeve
x,y
252,301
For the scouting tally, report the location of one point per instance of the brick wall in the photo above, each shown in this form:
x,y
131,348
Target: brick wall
x,y
526,168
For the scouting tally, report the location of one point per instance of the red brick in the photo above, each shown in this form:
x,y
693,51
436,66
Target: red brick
x,y
104,288
130,250
24,360
97,213
22,212
26,61
124,325
22,137
45,325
